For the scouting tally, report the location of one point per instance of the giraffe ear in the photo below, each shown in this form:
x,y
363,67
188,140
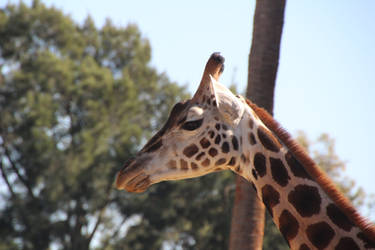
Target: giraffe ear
x,y
228,105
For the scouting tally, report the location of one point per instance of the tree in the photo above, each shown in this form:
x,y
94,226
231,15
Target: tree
x,y
75,102
248,212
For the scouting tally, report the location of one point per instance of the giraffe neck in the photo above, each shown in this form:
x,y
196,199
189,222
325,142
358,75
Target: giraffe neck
x,y
304,204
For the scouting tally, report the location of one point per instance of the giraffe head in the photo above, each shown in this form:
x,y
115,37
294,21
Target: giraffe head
x,y
199,137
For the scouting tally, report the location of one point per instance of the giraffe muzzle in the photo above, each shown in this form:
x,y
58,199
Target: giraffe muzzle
x,y
132,177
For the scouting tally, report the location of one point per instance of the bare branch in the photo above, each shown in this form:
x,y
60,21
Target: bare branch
x,y
115,234
15,169
6,179
100,216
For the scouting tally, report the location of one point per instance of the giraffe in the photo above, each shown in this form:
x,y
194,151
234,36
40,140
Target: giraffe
x,y
216,130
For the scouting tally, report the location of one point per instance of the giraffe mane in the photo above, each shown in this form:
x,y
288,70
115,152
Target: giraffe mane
x,y
315,172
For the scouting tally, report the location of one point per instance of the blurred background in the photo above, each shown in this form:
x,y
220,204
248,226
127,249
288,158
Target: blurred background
x,y
83,84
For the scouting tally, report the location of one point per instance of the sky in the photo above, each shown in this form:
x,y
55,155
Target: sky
x,y
325,82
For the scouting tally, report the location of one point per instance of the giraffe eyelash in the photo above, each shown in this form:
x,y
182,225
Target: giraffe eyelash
x,y
192,125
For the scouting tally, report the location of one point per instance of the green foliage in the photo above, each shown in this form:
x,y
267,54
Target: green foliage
x,y
75,101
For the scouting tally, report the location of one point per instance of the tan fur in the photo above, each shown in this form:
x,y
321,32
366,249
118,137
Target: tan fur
x,y
315,172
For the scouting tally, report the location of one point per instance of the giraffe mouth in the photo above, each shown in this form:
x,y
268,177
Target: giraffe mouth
x,y
132,177
137,184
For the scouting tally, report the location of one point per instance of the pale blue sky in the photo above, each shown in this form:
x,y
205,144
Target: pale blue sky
x,y
326,80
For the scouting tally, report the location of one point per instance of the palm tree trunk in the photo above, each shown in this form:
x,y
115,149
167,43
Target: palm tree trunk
x,y
247,224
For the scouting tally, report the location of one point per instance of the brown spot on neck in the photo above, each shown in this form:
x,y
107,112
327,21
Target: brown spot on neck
x,y
279,172
268,140
347,243
339,218
260,164
288,225
306,200
320,234
270,197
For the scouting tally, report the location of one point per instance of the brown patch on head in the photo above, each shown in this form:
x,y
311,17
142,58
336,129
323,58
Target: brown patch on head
x,y
270,197
235,143
268,140
366,240
338,217
232,161
190,150
296,167
260,164
199,156
204,142
193,166
221,161
347,243
279,172
288,225
252,139
217,126
183,165
304,247
320,234
172,164
225,147
212,152
306,200
206,162
217,139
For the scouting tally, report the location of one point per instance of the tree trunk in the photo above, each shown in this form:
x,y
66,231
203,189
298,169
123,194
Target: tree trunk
x,y
247,225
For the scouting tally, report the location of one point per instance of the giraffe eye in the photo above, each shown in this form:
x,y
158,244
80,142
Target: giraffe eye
x,y
192,125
